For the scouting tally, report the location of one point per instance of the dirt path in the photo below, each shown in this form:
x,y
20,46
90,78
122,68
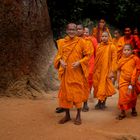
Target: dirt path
x,y
23,119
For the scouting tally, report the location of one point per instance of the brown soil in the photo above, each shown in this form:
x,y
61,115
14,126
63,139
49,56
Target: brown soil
x,y
24,119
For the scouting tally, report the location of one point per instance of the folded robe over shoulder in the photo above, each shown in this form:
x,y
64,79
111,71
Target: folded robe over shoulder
x,y
128,67
105,63
72,87
92,43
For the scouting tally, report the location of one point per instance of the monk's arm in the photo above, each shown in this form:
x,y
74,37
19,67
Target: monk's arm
x,y
134,77
87,53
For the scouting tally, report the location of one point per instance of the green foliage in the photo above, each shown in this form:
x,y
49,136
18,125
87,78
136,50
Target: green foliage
x,y
118,13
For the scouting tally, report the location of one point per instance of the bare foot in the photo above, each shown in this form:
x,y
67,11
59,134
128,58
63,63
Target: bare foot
x,y
64,120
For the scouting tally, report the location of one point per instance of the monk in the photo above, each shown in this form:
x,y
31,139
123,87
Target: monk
x,y
72,61
115,40
117,35
87,36
128,74
101,27
128,38
89,41
136,31
104,69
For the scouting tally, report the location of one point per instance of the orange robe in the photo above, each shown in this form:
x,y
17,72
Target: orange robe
x,y
91,61
136,75
105,62
137,45
116,42
97,33
89,45
128,74
72,87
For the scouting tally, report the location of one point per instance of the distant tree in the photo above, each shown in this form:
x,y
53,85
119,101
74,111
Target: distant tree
x,y
116,12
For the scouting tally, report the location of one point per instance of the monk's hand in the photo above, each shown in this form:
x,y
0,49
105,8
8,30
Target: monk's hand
x,y
130,89
63,64
75,64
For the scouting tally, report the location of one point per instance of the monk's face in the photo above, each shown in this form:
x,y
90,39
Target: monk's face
x,y
104,37
127,51
101,23
80,30
86,32
116,34
127,31
136,31
71,30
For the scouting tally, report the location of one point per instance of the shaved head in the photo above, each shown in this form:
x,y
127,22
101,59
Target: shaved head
x,y
71,24
71,30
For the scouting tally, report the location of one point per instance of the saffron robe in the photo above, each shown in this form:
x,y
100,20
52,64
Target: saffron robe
x,y
116,42
105,63
136,75
72,86
128,75
91,61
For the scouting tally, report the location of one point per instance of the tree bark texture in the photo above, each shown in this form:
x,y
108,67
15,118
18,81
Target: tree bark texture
x,y
26,48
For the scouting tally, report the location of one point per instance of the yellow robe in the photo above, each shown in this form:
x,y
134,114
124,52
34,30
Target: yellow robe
x,y
105,63
72,87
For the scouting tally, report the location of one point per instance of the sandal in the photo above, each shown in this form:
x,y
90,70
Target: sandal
x,y
86,109
134,113
59,110
77,122
64,120
121,116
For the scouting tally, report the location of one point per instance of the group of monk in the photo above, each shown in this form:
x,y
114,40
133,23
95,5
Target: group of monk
x,y
95,60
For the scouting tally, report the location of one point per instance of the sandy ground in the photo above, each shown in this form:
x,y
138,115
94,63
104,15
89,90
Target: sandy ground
x,y
24,119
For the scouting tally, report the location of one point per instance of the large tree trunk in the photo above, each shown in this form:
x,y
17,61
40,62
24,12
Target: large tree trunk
x,y
26,47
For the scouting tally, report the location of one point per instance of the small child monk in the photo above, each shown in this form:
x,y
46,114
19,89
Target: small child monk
x,y
127,80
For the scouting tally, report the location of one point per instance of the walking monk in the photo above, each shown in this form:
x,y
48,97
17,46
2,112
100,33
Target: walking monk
x,y
128,74
101,27
91,61
117,35
93,46
104,69
72,61
89,44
